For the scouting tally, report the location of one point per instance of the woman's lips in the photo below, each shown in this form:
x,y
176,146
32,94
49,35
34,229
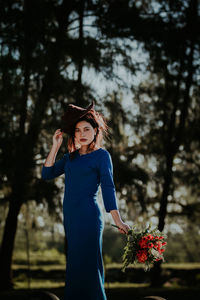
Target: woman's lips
x,y
83,140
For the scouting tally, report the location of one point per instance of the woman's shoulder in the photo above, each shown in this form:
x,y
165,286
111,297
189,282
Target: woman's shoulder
x,y
101,150
104,153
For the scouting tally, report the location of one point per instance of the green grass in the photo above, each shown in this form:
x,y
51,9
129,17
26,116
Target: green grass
x,y
45,267
114,285
48,284
51,256
178,266
38,284
47,270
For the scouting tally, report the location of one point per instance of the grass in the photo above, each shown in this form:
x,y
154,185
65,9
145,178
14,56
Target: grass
x,y
177,266
51,256
122,285
47,269
38,284
53,276
48,284
180,266
117,293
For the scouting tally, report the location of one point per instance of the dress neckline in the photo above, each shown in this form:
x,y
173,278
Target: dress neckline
x,y
89,152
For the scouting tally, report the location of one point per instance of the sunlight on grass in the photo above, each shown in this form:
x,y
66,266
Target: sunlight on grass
x,y
114,285
45,268
178,266
39,284
38,257
164,265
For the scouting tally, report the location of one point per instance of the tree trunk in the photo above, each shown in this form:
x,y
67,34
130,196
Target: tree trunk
x,y
156,271
8,245
18,184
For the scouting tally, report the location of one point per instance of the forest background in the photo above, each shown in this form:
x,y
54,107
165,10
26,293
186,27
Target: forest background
x,y
140,62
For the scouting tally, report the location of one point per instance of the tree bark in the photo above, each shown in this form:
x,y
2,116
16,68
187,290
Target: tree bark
x,y
8,244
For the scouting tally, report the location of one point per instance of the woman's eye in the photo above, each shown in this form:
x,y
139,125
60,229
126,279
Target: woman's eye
x,y
86,129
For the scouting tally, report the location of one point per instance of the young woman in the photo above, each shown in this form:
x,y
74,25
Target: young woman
x,y
86,166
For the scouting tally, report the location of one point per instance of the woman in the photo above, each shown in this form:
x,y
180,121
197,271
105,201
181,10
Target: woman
x,y
86,166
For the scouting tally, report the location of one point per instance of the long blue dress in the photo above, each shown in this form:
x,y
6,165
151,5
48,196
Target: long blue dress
x,y
83,219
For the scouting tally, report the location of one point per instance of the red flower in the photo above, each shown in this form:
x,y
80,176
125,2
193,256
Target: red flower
x,y
143,242
150,245
160,250
142,256
164,243
149,237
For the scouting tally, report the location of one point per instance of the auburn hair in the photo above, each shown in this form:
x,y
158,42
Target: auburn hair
x,y
96,120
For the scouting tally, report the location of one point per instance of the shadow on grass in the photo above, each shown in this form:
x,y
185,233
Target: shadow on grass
x,y
112,294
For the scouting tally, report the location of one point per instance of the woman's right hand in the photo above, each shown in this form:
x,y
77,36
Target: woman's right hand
x,y
58,138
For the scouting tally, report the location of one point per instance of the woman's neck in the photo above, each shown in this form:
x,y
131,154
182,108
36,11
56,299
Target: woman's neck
x,y
84,149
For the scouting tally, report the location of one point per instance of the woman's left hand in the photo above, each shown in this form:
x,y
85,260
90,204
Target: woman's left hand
x,y
123,228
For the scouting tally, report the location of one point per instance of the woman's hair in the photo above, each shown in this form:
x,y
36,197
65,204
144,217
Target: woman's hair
x,y
96,120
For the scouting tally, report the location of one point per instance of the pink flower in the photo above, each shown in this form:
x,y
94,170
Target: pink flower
x,y
158,244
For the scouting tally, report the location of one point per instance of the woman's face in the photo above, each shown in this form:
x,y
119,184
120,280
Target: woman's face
x,y
84,133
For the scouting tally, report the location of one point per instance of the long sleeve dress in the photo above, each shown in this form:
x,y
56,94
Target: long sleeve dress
x,y
83,219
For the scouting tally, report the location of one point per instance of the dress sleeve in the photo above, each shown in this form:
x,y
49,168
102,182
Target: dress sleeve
x,y
54,171
107,183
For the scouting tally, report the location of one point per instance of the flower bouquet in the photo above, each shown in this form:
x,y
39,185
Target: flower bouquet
x,y
145,246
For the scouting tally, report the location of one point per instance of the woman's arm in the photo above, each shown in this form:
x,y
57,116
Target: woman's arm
x,y
57,141
109,193
123,228
52,169
49,162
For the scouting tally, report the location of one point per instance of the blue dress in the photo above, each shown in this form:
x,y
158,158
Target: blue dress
x,y
83,219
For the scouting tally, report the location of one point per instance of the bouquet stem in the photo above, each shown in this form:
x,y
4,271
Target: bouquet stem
x,y
115,226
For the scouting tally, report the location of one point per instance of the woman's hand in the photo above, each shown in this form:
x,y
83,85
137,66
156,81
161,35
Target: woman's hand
x,y
122,227
58,138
